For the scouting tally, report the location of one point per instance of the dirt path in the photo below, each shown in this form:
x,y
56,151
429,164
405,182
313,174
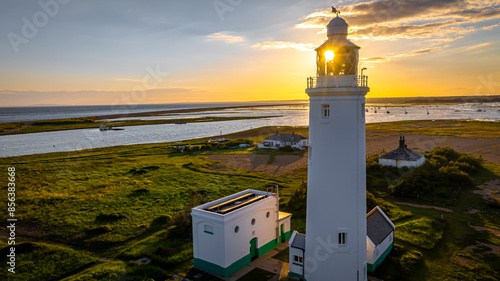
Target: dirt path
x,y
490,190
281,165
285,164
426,207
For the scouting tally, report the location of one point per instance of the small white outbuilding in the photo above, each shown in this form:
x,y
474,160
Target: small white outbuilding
x,y
230,232
380,237
379,243
402,157
279,140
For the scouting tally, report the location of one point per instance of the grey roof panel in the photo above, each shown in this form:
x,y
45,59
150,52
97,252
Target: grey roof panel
x,y
403,153
299,242
377,227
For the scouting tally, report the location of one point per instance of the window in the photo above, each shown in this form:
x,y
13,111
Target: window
x,y
208,229
297,259
236,229
268,214
342,239
325,111
253,221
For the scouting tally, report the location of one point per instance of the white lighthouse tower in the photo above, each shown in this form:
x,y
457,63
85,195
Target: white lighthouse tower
x,y
335,247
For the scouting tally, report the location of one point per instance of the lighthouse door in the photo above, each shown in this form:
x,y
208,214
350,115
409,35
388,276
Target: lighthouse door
x,y
253,249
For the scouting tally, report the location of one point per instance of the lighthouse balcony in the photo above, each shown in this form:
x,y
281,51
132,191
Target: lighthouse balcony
x,y
333,81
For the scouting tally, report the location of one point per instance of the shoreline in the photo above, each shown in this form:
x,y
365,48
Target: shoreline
x,y
429,131
95,121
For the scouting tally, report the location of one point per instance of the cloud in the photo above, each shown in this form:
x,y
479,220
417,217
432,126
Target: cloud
x,y
103,97
398,56
304,47
128,80
394,19
479,46
226,38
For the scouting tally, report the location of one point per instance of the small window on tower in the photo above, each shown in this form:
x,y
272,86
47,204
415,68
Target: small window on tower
x,y
325,111
342,239
208,229
363,110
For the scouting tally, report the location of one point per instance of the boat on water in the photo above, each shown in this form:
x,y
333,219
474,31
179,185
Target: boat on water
x,y
109,128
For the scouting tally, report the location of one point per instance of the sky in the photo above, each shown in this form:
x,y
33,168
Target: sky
x,y
76,52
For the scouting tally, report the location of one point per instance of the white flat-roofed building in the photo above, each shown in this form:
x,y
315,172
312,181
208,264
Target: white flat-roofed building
x,y
230,232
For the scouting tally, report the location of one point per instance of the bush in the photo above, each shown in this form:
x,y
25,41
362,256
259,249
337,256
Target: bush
x,y
424,232
445,175
409,260
287,148
298,199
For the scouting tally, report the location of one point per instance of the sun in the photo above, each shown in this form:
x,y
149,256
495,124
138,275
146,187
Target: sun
x,y
329,55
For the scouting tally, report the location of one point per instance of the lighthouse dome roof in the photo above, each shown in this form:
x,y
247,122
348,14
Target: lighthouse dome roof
x,y
337,26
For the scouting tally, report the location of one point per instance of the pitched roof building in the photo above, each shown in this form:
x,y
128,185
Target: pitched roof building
x,y
380,237
279,140
402,156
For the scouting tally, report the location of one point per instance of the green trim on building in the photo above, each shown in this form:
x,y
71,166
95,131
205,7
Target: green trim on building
x,y
208,232
287,235
298,264
237,265
267,247
294,275
372,267
219,270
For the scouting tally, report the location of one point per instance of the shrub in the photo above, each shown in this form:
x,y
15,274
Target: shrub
x,y
298,199
409,260
287,148
99,230
424,232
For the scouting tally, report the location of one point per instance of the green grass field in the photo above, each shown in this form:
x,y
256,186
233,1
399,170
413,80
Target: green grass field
x,y
88,215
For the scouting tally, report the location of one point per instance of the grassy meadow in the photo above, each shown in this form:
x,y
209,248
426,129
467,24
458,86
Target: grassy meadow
x,y
88,215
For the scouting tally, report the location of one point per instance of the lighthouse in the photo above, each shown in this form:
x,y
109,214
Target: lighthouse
x,y
335,240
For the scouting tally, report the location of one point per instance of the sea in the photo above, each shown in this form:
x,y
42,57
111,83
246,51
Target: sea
x,y
290,113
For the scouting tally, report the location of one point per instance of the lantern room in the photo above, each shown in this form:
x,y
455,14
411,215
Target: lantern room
x,y
337,59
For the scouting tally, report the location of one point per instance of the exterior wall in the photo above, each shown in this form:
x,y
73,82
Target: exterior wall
x,y
336,189
277,144
225,252
286,227
376,255
238,244
296,268
402,163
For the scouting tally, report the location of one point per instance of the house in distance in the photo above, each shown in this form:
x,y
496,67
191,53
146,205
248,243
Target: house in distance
x,y
402,156
280,140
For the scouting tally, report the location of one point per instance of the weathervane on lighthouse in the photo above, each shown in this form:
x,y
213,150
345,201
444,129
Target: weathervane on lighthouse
x,y
335,11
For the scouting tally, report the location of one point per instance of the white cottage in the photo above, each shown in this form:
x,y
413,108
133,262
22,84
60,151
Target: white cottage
x,y
279,140
230,232
379,242
402,156
380,237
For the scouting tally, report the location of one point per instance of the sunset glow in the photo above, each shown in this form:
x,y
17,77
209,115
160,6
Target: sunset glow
x,y
129,52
